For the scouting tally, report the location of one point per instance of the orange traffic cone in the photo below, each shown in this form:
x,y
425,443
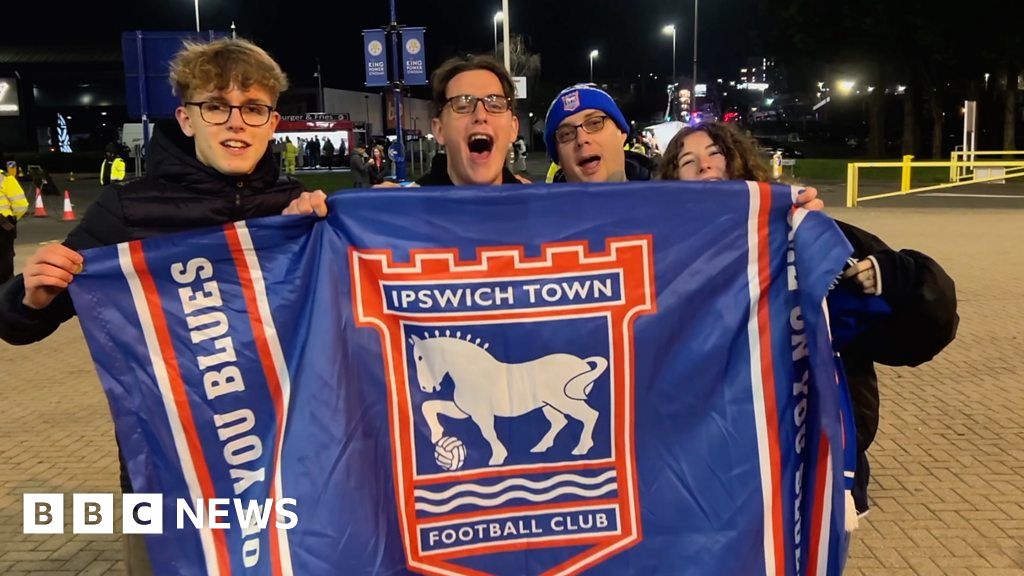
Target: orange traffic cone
x,y
69,214
40,209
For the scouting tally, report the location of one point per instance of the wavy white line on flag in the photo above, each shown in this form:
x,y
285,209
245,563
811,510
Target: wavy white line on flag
x,y
491,502
534,484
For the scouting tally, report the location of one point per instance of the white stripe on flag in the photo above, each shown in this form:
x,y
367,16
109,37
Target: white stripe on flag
x,y
156,358
756,383
826,519
280,366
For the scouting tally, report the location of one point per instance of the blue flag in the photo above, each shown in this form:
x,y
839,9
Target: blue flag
x,y
414,58
375,55
617,379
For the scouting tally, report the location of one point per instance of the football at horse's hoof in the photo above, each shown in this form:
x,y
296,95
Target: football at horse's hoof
x,y
450,453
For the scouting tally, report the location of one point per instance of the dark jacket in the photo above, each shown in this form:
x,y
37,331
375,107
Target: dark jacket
x,y
923,321
360,170
638,168
178,193
438,175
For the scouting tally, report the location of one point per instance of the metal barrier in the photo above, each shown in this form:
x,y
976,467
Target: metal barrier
x,y
1010,169
960,161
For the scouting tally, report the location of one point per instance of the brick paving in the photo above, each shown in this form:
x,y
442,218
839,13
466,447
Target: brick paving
x,y
948,465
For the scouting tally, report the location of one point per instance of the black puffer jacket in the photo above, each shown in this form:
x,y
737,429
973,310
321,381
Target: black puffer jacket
x,y
923,321
178,193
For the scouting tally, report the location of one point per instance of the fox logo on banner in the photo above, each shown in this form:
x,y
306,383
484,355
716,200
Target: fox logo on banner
x,y
618,379
414,61
375,56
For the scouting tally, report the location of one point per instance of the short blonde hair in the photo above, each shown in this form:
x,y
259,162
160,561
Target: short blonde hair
x,y
221,64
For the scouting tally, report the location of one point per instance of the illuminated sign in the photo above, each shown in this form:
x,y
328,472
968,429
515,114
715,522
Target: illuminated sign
x,y
8,97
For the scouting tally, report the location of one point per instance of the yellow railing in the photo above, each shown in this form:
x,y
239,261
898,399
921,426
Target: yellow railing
x,y
1011,169
959,159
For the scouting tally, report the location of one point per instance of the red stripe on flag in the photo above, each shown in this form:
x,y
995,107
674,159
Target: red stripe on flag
x,y
818,511
163,336
269,369
768,372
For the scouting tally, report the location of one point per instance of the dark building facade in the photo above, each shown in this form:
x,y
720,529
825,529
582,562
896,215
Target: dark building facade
x,y
84,87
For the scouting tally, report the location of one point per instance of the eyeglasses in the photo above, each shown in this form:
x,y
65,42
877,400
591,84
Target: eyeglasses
x,y
466,103
567,132
218,113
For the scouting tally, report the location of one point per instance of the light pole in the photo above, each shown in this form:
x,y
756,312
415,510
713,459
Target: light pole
x,y
366,128
671,29
197,16
498,17
694,93
320,84
593,54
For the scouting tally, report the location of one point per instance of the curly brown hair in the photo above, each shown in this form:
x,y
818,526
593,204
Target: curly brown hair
x,y
224,63
743,161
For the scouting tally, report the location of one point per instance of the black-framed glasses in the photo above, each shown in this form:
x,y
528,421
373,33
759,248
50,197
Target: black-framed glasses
x,y
567,132
218,113
466,103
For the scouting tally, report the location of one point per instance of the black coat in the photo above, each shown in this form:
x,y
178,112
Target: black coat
x,y
178,193
639,167
438,175
923,321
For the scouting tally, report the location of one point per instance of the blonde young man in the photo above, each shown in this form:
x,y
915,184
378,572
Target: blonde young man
x,y
212,168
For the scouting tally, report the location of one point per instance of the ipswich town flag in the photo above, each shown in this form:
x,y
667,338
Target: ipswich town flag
x,y
610,379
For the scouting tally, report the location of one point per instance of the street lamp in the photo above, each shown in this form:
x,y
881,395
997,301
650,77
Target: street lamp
x,y
320,84
498,17
845,86
695,52
593,54
197,16
671,29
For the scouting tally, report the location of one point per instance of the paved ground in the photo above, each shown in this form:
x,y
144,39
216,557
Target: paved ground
x,y
948,491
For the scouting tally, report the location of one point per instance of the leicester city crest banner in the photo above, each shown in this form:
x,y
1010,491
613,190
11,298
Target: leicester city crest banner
x,y
610,379
414,62
375,57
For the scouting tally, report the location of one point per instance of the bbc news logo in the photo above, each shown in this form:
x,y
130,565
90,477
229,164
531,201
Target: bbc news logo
x,y
144,514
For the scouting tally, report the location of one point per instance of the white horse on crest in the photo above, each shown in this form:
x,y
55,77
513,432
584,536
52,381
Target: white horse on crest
x,y
485,387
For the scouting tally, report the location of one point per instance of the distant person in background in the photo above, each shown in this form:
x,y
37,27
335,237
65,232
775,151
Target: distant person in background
x,y
277,148
112,169
291,153
13,205
360,169
378,166
313,152
342,153
328,153
520,147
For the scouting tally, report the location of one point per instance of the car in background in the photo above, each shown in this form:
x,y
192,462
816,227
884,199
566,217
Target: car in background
x,y
769,147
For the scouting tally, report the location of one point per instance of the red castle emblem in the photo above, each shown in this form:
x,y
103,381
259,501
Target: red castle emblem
x,y
510,398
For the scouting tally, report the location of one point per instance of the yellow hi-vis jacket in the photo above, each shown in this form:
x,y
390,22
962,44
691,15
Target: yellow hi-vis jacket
x,y
116,167
12,198
552,170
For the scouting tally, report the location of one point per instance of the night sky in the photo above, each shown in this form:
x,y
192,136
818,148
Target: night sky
x,y
627,33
